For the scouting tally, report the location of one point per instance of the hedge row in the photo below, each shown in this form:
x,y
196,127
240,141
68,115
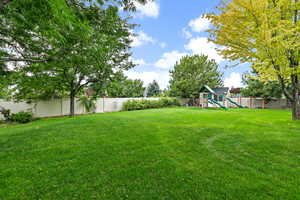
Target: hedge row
x,y
147,104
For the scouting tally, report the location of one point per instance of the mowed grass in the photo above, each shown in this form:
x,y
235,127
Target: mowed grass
x,y
176,153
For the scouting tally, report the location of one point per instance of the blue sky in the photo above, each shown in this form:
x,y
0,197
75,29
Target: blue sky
x,y
169,30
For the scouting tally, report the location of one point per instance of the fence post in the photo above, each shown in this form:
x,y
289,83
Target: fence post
x,y
103,104
249,102
61,107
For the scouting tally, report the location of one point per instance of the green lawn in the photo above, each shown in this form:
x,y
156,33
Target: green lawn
x,y
176,153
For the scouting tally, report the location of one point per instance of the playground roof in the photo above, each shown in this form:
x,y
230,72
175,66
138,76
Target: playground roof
x,y
221,90
207,88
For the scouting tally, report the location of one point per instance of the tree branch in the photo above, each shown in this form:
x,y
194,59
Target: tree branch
x,y
23,60
284,89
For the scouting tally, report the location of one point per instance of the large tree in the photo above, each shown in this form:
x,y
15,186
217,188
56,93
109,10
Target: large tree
x,y
193,72
70,45
265,33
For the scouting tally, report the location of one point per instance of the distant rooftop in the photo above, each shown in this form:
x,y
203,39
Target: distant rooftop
x,y
235,90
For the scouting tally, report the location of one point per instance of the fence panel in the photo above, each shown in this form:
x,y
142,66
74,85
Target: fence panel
x,y
16,107
61,107
48,108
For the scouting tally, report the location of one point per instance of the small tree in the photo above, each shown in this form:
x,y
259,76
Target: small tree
x,y
153,89
191,73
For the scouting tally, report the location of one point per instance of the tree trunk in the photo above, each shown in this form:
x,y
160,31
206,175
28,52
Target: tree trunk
x,y
295,80
72,104
296,110
296,98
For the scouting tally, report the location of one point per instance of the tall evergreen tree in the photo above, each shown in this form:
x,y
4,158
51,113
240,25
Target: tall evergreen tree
x,y
153,89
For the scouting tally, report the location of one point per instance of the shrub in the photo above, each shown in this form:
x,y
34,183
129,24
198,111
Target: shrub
x,y
5,113
166,102
147,104
21,117
88,103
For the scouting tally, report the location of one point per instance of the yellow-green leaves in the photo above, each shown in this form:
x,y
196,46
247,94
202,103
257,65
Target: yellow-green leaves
x,y
263,32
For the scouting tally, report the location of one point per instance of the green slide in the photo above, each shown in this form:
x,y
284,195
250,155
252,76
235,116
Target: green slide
x,y
217,103
231,101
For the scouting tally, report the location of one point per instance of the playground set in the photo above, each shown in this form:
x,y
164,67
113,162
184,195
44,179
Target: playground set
x,y
216,97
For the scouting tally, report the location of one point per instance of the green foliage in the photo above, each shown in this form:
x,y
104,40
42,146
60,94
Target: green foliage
x,y
148,104
167,101
88,103
192,73
153,89
70,46
5,80
21,117
121,87
255,88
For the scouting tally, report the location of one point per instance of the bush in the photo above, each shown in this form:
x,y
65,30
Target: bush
x,y
148,104
21,117
167,102
5,113
88,103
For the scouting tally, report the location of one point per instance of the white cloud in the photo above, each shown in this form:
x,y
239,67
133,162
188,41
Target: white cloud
x,y
141,39
199,24
163,45
162,77
201,45
169,59
186,34
150,9
234,80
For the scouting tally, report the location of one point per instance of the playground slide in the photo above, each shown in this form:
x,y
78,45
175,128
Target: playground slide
x,y
231,101
217,103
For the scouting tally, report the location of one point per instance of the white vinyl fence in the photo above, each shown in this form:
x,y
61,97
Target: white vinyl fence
x,y
61,107
248,102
